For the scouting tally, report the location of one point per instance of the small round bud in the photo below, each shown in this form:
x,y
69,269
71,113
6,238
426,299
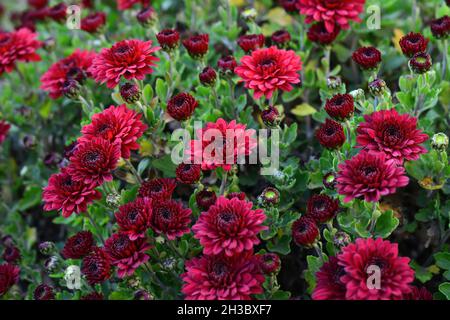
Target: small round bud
x,y
130,92
279,176
52,159
113,200
208,76
358,95
341,239
269,197
329,180
29,141
271,117
142,295
51,264
134,282
377,87
168,39
47,248
334,83
7,241
420,63
147,17
71,88
269,263
281,38
226,65
169,263
249,15
439,141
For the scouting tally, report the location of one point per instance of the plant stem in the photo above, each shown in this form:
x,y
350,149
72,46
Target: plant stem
x,y
173,248
373,220
318,251
327,54
96,227
349,131
223,184
133,171
444,59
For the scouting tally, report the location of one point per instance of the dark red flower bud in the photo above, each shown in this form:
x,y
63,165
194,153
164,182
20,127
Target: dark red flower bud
x,y
305,231
96,266
322,208
93,296
271,117
188,173
377,86
205,199
47,247
368,58
281,38
269,197
158,189
329,180
58,12
251,42
142,295
11,254
94,22
197,46
147,16
182,106
319,34
413,43
331,134
289,6
43,292
130,92
227,64
340,107
71,88
78,246
238,195
420,63
168,39
440,28
208,76
269,263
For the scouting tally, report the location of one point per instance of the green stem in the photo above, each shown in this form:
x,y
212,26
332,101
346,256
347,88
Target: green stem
x,y
444,59
373,219
97,228
318,251
223,183
133,171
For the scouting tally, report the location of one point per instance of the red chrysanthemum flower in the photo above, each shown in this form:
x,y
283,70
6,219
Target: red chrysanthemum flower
x,y
395,273
171,219
332,12
267,70
329,285
222,278
418,294
222,144
58,12
188,173
197,46
126,254
9,276
43,292
74,67
340,107
269,262
440,28
96,266
20,45
11,254
93,296
208,76
281,38
227,64
127,4
116,124
93,22
158,189
168,39
78,246
205,199
93,161
368,58
131,59
4,129
420,62
413,43
66,194
251,42
238,195
394,134
305,231
331,134
182,106
230,226
319,34
322,208
134,218
369,175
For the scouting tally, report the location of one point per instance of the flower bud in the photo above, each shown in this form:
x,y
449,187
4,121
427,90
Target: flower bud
x,y
29,141
358,95
281,38
71,88
420,63
377,87
147,17
271,117
169,263
329,180
113,200
249,15
341,239
226,65
51,264
440,28
142,295
52,159
439,141
130,92
269,197
47,248
205,199
168,39
208,76
134,282
7,241
269,263
334,83
11,254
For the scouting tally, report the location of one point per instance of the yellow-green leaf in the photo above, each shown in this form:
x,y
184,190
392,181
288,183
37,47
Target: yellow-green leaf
x,y
303,110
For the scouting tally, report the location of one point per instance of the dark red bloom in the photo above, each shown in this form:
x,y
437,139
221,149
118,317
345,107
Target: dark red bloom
x,y
230,226
66,194
96,266
78,246
93,22
271,117
331,134
322,208
369,175
38,4
117,125
222,278
44,292
319,34
171,219
93,296
269,263
4,129
131,59
396,274
197,46
126,254
238,195
288,5
368,58
58,12
147,16
130,92
420,62
394,134
440,28
93,161
281,38
329,285
127,4
418,294
168,39
413,43
251,42
9,276
205,199
208,76
188,173
182,106
134,218
340,107
11,254
158,189
305,231
227,64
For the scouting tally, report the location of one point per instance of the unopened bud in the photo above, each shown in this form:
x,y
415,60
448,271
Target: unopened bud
x,y
439,141
47,248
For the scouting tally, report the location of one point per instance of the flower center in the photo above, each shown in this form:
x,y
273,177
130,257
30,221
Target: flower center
x,y
132,215
330,131
392,134
368,171
226,218
320,205
219,271
165,214
91,157
122,50
268,62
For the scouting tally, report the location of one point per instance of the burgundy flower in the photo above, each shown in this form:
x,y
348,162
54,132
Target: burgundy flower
x,y
222,278
132,59
251,42
78,246
208,76
92,296
227,64
158,189
38,4
394,134
93,22
271,117
369,175
420,62
96,266
332,12
197,46
230,226
147,16
305,231
188,173
269,263
319,34
4,129
134,218
171,219
281,38
331,134
168,39
322,208
396,274
93,161
11,254
44,292
340,107
418,294
20,45
440,28
73,67
267,70
9,276
66,194
128,4
238,195
205,199
368,58
182,106
117,125
289,5
126,254
329,285
58,12
130,92
413,43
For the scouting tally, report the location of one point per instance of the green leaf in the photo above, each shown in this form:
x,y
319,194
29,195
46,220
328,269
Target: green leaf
x,y
280,245
31,198
445,289
386,223
303,110
443,260
161,89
